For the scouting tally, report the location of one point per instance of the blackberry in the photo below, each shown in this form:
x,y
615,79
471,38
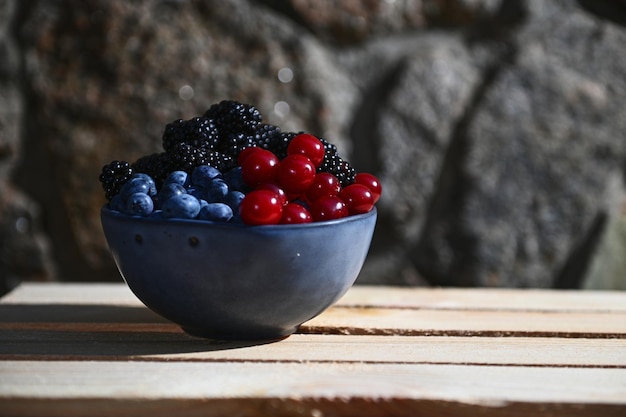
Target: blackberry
x,y
271,138
329,148
157,165
113,176
198,132
235,143
336,165
186,157
234,117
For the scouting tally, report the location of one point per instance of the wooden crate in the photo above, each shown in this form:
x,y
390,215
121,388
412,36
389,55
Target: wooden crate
x,y
94,349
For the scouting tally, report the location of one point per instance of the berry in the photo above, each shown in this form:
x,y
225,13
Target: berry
x,y
184,206
151,184
117,203
234,117
309,146
157,166
185,157
216,191
135,185
234,143
246,152
217,212
334,164
358,198
371,182
139,204
265,136
296,174
261,207
294,213
233,200
203,175
177,177
282,196
270,137
198,132
324,184
113,176
168,191
260,167
234,179
328,208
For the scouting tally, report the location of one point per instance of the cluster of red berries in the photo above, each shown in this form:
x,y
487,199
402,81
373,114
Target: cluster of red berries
x,y
290,190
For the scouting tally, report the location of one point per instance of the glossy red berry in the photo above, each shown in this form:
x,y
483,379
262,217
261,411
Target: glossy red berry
x,y
328,208
294,213
371,182
324,184
358,198
261,207
245,153
296,174
282,196
307,145
259,167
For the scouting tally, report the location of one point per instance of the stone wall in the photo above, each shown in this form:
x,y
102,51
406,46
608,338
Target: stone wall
x,y
497,127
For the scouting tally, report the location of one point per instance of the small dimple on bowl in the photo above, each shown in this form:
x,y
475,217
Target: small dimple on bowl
x,y
233,281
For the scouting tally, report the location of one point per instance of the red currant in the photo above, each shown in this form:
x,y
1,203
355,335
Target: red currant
x,y
294,213
371,182
328,208
358,198
307,145
261,207
259,167
296,174
276,190
245,153
324,184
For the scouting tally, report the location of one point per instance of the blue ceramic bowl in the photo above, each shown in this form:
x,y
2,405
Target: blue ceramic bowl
x,y
232,281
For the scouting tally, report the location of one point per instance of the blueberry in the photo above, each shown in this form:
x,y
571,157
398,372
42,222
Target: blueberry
x,y
198,192
156,214
233,199
168,191
135,185
184,206
177,177
139,204
202,175
234,179
117,204
216,191
217,212
152,190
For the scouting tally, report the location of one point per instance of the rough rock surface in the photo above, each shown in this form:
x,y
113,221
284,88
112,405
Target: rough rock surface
x,y
495,126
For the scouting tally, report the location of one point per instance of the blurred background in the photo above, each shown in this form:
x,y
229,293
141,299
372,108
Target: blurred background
x,y
496,127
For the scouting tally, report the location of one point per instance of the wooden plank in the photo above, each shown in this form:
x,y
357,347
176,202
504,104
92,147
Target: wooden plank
x,y
409,322
337,320
177,346
100,312
486,299
358,296
487,389
117,294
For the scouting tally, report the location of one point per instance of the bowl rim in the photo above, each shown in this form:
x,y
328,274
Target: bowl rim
x,y
106,211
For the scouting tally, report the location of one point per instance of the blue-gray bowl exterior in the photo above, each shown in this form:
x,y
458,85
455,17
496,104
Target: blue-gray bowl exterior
x,y
232,281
